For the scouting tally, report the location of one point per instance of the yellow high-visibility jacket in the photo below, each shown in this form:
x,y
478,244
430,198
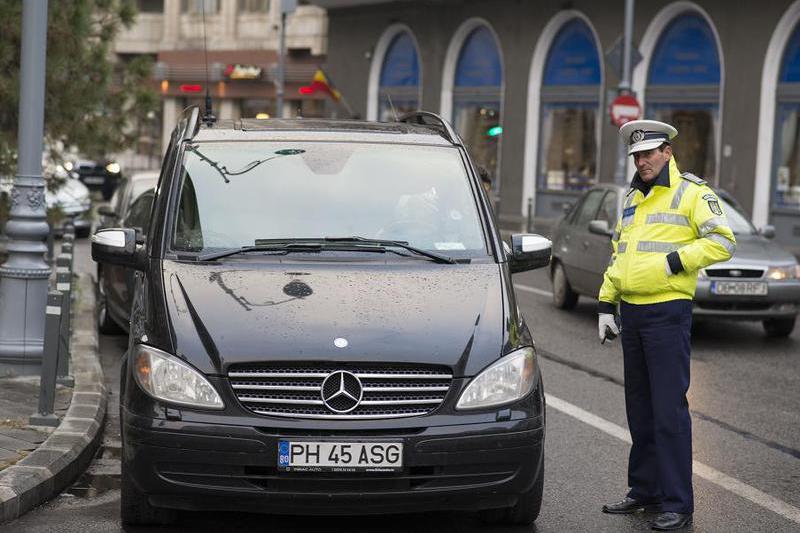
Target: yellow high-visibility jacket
x,y
684,220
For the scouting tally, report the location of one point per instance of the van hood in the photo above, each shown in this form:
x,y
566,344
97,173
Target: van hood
x,y
251,310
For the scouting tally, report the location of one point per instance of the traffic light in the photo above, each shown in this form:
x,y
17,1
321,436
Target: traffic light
x,y
494,131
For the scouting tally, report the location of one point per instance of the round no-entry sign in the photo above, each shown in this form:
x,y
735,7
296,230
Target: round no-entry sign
x,y
623,109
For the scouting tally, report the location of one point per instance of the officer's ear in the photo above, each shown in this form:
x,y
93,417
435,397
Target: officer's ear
x,y
667,149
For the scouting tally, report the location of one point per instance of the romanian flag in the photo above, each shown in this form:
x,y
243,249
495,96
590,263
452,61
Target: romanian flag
x,y
321,83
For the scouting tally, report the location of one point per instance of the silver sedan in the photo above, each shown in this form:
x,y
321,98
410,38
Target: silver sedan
x,y
760,282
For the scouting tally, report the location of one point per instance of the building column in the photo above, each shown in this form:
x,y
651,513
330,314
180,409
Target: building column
x,y
172,23
169,119
228,12
227,109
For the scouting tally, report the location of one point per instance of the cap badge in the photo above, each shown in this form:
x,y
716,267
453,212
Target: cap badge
x,y
637,136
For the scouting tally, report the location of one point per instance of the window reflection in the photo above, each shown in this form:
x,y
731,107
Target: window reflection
x,y
477,123
401,107
694,147
787,179
569,146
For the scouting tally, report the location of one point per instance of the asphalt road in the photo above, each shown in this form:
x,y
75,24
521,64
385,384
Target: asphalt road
x,y
746,421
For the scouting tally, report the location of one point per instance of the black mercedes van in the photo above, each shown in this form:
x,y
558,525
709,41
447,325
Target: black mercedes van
x,y
323,321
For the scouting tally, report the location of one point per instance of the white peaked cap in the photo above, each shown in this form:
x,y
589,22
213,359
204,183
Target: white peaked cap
x,y
642,135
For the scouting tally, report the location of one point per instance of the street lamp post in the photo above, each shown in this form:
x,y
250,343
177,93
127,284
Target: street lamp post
x,y
24,276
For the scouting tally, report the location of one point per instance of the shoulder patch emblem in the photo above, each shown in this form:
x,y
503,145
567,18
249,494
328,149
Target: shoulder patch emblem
x,y
713,204
688,176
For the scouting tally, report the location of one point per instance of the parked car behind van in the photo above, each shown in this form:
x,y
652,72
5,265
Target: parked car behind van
x,y
324,322
760,282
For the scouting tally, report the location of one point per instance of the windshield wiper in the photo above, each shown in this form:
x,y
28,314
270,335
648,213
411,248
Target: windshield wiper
x,y
354,243
439,258
282,246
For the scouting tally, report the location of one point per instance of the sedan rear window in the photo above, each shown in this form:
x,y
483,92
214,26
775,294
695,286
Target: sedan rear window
x,y
235,193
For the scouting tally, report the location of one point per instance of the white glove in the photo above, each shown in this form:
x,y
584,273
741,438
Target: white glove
x,y
669,270
606,321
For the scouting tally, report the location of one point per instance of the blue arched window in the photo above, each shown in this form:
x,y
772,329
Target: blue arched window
x,y
399,80
573,58
477,97
786,167
570,109
683,90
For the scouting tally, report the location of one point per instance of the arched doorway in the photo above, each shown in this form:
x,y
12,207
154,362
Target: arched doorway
x,y
395,76
784,210
477,91
683,89
569,118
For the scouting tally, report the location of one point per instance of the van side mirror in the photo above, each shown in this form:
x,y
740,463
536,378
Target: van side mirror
x,y
767,231
529,251
117,246
600,227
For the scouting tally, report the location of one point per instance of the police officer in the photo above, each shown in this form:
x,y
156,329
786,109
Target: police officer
x,y
672,225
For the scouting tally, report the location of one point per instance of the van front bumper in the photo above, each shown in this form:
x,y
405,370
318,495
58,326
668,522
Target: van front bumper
x,y
199,466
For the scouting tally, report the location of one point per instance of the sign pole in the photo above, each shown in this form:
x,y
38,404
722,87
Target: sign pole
x,y
287,6
624,89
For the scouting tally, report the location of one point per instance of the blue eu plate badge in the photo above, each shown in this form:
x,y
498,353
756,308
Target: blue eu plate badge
x,y
283,453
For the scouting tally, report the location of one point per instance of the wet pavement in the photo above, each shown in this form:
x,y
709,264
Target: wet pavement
x,y
19,399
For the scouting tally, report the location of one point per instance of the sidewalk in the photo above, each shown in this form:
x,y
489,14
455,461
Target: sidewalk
x,y
37,463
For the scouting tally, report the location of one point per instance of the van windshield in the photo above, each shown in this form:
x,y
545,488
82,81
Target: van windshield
x,y
233,194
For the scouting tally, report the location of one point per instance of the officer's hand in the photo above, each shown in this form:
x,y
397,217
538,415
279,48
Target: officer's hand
x,y
668,269
607,327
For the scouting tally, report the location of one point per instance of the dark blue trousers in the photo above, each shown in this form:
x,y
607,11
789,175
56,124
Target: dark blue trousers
x,y
656,347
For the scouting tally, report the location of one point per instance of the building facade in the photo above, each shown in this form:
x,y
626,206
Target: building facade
x,y
242,37
528,86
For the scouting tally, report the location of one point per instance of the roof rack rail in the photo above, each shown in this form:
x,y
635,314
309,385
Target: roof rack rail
x,y
426,118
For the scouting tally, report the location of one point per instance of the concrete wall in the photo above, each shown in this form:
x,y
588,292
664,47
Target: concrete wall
x,y
744,30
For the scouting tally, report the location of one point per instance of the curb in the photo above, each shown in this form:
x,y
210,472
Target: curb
x,y
66,453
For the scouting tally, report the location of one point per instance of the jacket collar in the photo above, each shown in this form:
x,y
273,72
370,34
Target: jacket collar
x,y
662,179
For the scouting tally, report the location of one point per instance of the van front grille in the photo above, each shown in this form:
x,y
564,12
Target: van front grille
x,y
354,391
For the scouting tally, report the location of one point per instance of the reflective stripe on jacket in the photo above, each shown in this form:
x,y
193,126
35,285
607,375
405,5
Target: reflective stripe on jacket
x,y
685,217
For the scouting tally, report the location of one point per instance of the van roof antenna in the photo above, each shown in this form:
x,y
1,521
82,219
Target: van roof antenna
x,y
208,115
394,111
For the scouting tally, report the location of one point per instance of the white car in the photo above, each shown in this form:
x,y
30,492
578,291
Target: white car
x,y
71,196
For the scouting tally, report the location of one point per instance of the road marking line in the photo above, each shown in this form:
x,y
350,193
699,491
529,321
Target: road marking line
x,y
534,290
701,470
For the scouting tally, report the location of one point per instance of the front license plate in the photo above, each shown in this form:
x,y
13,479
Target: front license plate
x,y
93,180
739,288
301,456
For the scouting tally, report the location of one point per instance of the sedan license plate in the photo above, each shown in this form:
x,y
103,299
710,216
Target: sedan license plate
x,y
301,456
739,288
93,180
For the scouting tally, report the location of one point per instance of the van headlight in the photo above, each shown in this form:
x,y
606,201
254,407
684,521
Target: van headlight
x,y
506,380
113,168
165,377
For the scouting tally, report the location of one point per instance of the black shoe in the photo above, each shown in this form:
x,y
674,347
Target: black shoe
x,y
670,521
630,506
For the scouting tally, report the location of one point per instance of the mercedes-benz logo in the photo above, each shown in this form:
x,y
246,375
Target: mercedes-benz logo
x,y
341,391
637,136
